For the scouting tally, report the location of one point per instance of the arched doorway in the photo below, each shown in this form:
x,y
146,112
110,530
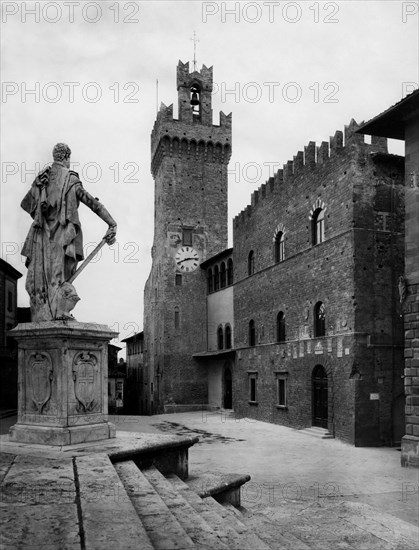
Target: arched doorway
x,y
228,389
319,397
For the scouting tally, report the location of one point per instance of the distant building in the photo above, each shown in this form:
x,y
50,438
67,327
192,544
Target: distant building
x,y
137,393
8,320
117,374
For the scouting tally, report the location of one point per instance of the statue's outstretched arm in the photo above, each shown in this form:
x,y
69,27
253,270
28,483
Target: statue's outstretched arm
x,y
98,208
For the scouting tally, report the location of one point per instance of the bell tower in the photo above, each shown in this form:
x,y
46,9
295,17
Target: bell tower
x,y
189,161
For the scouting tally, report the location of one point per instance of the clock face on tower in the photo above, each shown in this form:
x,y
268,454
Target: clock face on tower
x,y
187,259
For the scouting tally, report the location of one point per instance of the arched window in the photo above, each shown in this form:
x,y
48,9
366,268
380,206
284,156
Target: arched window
x,y
252,333
228,337
251,263
280,327
318,226
319,320
195,99
279,247
223,275
220,338
230,272
216,278
210,281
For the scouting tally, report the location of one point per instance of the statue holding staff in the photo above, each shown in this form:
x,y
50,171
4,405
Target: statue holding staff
x,y
54,244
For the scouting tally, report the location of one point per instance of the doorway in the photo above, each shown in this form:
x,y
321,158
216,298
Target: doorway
x,y
319,397
228,389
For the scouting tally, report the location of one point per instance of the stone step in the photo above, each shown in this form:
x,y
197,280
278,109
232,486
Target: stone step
x,y
276,536
315,431
163,529
109,520
225,488
221,519
264,532
204,536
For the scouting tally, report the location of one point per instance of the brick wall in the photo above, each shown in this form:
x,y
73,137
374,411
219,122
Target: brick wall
x,y
189,164
353,272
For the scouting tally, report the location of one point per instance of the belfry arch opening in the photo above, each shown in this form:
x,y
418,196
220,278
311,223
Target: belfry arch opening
x,y
195,100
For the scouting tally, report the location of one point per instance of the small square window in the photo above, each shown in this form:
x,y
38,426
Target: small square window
x,y
178,279
187,237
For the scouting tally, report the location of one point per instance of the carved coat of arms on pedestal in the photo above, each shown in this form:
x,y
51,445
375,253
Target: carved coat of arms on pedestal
x,y
40,375
85,381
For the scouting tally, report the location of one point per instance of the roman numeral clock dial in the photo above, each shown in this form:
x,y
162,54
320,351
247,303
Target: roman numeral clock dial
x,y
187,259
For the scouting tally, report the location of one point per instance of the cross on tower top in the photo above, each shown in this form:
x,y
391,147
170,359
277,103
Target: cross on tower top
x,y
195,40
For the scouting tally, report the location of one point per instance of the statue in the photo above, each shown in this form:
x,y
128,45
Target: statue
x,y
54,244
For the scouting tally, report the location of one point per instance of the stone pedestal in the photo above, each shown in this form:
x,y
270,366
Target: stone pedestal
x,y
410,451
63,383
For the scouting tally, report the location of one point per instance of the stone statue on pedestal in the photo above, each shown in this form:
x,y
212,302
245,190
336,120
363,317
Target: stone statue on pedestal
x,y
63,389
54,244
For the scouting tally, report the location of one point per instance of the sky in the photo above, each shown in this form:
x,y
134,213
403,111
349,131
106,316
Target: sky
x,y
91,74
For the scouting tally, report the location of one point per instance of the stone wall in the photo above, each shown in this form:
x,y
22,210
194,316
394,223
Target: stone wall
x,y
410,447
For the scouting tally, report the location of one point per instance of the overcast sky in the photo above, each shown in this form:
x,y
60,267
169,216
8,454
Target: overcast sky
x,y
85,73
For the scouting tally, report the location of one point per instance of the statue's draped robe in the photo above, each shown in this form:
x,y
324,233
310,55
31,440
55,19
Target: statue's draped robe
x,y
54,243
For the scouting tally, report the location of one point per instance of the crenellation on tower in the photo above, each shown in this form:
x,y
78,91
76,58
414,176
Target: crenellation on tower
x,y
336,142
350,136
298,162
310,154
288,170
255,198
262,190
279,178
323,152
226,120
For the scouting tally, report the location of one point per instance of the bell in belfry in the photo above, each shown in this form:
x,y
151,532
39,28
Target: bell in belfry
x,y
195,97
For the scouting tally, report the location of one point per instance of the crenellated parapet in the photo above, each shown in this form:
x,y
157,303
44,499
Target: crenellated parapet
x,y
174,137
312,159
190,149
184,77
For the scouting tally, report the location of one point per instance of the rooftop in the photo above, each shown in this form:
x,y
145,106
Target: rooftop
x,y
391,123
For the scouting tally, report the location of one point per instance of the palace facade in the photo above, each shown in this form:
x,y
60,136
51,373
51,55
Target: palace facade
x,y
300,322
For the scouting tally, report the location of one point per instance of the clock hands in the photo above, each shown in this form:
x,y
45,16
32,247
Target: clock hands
x,y
186,260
